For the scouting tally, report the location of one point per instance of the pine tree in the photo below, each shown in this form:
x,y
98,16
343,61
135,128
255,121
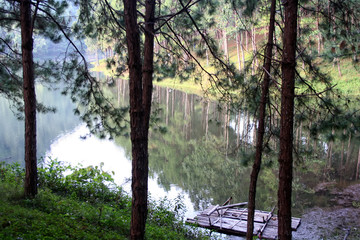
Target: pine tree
x,y
287,118
261,119
43,18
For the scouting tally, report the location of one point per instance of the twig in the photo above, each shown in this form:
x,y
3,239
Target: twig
x,y
347,233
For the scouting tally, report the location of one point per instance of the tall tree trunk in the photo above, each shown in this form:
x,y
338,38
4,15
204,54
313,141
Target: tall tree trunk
x,y
207,57
339,67
247,40
226,47
357,166
287,119
318,27
348,152
238,133
237,39
140,106
167,107
261,128
254,47
30,186
242,49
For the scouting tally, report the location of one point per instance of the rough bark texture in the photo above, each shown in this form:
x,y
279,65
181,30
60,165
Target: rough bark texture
x,y
261,127
287,119
140,105
30,185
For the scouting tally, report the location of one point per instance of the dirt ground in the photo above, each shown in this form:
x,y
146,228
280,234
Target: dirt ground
x,y
341,221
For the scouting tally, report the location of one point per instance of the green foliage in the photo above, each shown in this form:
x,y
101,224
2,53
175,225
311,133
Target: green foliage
x,y
12,178
79,203
88,184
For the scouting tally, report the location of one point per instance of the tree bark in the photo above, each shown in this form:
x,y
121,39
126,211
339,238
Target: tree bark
x,y
287,119
357,166
30,185
237,39
348,152
140,106
261,128
318,27
226,47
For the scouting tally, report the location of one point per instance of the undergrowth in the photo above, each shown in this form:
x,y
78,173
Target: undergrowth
x,y
80,203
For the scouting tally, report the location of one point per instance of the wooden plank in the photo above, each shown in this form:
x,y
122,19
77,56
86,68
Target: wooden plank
x,y
232,205
233,220
227,201
267,220
210,210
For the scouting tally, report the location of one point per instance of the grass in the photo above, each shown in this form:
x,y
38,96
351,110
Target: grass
x,y
349,81
74,207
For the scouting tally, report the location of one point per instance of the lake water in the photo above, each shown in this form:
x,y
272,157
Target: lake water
x,y
201,157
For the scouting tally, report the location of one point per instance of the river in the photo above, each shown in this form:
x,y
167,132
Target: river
x,y
199,151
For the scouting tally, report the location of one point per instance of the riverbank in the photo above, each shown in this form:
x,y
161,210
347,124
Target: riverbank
x,y
338,221
346,80
85,204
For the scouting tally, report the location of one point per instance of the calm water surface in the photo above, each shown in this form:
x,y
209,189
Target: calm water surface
x,y
197,158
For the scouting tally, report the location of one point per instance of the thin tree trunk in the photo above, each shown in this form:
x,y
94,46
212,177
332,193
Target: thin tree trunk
x,y
167,107
207,57
318,27
242,49
237,39
226,47
244,128
329,153
246,41
97,57
30,185
300,135
287,119
348,152
261,128
342,153
254,47
140,105
358,166
238,135
253,51
207,119
339,67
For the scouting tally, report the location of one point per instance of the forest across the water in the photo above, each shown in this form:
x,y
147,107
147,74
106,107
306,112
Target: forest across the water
x,y
257,100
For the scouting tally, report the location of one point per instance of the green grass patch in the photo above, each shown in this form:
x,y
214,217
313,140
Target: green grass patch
x,y
85,204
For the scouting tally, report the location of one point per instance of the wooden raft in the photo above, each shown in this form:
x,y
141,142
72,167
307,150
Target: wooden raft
x,y
231,219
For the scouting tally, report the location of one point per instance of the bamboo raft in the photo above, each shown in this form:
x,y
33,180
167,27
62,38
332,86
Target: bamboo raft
x,y
232,219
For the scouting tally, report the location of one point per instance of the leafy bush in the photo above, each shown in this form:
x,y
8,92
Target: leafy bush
x,y
11,179
80,203
84,183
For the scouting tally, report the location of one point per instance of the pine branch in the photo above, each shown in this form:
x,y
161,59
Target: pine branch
x,y
314,92
11,49
169,17
185,49
113,15
205,40
34,17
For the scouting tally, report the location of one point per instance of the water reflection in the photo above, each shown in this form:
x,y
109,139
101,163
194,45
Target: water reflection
x,y
200,155
49,126
74,149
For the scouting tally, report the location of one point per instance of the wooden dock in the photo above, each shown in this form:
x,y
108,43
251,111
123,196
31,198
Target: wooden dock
x,y
232,219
